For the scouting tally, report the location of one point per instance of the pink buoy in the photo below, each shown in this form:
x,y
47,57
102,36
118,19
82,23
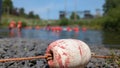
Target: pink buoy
x,y
76,29
69,29
68,53
37,27
12,25
19,25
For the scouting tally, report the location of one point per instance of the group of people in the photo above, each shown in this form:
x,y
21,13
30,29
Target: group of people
x,y
59,28
14,25
15,28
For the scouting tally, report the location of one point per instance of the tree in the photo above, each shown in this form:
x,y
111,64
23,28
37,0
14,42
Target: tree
x,y
7,6
64,22
110,4
22,12
31,14
112,22
112,12
14,11
37,16
74,15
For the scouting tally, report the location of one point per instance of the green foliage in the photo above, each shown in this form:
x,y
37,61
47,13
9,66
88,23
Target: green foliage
x,y
111,37
110,4
2,25
22,12
74,15
7,4
8,8
24,24
31,14
64,22
36,16
112,15
115,58
112,22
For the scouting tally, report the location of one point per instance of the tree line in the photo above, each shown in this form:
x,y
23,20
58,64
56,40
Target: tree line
x,y
111,15
9,9
110,20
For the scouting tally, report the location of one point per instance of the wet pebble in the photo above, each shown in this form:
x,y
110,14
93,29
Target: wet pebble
x,y
20,47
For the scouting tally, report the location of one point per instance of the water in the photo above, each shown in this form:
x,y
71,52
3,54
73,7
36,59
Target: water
x,y
111,39
4,33
91,37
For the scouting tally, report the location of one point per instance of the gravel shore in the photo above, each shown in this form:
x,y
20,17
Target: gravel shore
x,y
19,47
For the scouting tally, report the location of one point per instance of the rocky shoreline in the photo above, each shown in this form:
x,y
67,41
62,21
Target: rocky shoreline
x,y
20,47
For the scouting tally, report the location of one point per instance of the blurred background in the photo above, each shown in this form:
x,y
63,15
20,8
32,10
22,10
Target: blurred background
x,y
97,21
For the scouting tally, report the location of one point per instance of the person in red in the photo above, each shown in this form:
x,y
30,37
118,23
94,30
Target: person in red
x,y
37,27
69,29
12,25
19,25
59,29
76,29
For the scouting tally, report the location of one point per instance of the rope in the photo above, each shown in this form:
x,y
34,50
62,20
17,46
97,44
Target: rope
x,y
25,58
46,56
98,56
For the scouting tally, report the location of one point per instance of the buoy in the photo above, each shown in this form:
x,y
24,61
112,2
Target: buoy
x,y
69,29
76,29
12,25
28,27
19,25
84,29
37,27
68,53
58,29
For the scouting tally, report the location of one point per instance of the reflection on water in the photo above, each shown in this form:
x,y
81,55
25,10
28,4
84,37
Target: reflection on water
x,y
111,39
4,33
93,37
90,36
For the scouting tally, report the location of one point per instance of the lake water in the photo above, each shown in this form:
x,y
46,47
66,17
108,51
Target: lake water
x,y
91,37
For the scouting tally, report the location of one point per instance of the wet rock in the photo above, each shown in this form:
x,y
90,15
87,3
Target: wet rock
x,y
20,47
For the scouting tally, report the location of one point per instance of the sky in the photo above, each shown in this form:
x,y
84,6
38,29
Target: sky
x,y
49,9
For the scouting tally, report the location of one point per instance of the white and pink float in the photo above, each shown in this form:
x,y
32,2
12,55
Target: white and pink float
x,y
68,53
